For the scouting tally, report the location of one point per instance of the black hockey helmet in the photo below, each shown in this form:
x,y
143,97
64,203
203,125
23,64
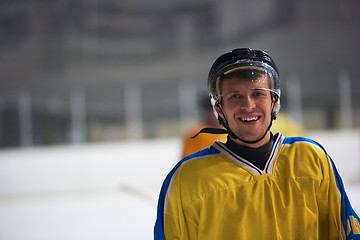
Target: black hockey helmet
x,y
242,59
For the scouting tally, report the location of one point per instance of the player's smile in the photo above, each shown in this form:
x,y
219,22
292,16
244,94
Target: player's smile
x,y
250,120
248,123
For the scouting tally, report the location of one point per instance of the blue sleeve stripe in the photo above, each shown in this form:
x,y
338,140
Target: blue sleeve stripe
x,y
159,224
346,208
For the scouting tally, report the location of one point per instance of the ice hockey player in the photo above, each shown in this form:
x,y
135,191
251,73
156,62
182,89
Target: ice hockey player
x,y
256,185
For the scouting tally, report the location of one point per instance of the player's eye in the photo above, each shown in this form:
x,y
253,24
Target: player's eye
x,y
259,94
234,97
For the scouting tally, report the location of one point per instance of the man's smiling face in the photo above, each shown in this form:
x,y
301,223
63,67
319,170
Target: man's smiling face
x,y
247,105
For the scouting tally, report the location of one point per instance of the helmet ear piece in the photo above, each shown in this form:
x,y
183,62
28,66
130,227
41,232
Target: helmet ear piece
x,y
276,106
214,104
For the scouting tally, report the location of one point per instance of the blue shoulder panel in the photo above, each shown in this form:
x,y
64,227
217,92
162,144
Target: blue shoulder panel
x,y
159,224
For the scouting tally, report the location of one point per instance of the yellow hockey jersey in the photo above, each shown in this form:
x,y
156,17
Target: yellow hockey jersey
x,y
215,194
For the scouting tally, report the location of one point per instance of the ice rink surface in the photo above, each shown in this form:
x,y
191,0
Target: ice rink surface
x,y
106,191
98,215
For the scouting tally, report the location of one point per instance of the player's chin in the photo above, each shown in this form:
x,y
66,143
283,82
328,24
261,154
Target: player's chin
x,y
251,134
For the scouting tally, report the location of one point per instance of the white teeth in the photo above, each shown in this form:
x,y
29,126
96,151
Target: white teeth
x,y
250,119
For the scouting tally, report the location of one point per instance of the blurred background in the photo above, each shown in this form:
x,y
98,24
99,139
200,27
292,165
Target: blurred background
x,y
96,95
90,71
